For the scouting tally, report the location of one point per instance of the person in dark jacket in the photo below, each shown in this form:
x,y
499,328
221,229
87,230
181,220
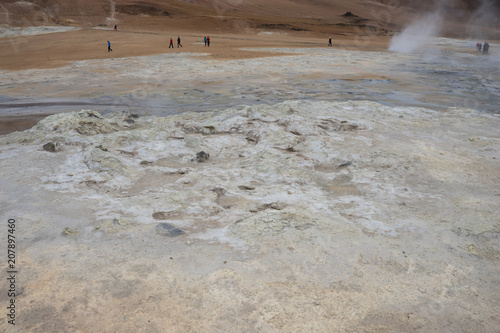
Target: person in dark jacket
x,y
486,48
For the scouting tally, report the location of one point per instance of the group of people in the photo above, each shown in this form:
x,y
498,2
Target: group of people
x,y
484,48
171,45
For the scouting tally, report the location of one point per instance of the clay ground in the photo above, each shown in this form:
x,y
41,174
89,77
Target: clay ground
x,y
55,50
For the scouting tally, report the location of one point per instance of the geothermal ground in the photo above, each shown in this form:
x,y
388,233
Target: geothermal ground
x,y
339,190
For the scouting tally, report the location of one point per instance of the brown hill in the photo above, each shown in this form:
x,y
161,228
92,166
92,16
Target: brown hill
x,y
317,17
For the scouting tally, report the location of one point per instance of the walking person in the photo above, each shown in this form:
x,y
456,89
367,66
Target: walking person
x,y
486,48
116,28
109,47
208,41
205,40
171,43
179,42
330,41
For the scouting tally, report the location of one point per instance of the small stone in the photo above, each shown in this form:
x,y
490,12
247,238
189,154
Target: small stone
x,y
246,187
219,191
208,130
101,147
129,123
202,156
344,164
167,229
50,146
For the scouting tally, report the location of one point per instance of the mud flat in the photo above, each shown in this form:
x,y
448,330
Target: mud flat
x,y
298,216
447,73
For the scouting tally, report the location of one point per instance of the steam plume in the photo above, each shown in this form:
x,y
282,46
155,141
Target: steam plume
x,y
417,33
486,15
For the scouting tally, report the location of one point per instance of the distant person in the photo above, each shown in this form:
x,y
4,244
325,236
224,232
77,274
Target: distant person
x,y
171,43
179,41
109,47
205,40
479,47
116,28
330,41
208,41
486,48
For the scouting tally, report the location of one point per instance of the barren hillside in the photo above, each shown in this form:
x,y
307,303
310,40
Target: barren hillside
x,y
313,16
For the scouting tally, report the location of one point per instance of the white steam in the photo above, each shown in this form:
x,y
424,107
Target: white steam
x,y
416,35
419,32
484,17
